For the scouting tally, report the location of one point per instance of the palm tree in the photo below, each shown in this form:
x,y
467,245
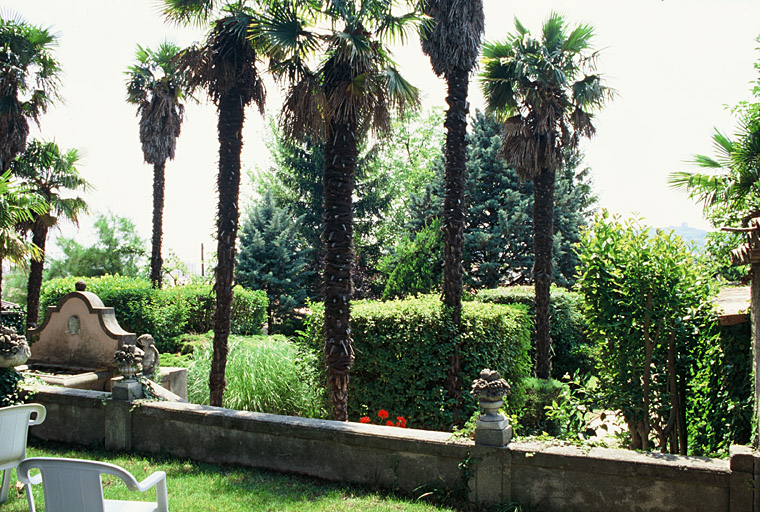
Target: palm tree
x,y
225,66
16,206
48,172
452,40
28,82
540,90
733,186
157,86
351,91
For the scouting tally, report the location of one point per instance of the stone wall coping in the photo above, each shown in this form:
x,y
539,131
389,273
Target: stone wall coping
x,y
406,439
616,461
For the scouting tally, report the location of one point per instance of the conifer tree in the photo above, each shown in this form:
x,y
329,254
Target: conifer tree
x,y
272,259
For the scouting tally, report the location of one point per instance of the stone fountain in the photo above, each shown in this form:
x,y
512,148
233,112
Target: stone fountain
x,y
75,346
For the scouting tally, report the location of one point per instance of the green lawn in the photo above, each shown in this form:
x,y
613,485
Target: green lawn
x,y
203,487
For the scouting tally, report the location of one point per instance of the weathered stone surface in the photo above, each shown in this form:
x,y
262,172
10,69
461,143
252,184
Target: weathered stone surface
x,y
547,478
80,331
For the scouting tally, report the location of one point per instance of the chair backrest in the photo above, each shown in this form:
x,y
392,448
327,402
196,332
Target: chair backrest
x,y
14,426
73,484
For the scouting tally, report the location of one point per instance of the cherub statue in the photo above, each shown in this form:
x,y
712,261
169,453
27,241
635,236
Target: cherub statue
x,y
150,359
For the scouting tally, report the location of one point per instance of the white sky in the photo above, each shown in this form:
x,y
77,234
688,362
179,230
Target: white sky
x,y
675,64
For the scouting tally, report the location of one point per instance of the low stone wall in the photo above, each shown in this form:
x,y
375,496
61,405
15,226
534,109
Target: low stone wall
x,y
548,478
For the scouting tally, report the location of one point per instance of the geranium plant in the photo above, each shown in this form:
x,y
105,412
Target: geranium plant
x,y
383,415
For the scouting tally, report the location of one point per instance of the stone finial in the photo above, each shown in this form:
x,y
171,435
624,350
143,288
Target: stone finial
x,y
492,429
80,286
129,360
490,386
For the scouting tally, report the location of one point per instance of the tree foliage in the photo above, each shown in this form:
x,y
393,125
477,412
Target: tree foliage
x,y
647,300
118,250
272,259
543,89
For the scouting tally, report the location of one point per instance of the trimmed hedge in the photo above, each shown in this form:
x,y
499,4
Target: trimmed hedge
x,y
572,348
402,356
166,313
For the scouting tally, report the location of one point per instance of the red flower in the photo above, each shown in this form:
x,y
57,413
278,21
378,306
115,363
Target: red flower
x,y
389,423
383,414
401,421
364,419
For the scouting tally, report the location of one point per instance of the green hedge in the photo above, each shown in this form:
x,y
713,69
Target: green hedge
x,y
572,349
14,317
166,313
402,356
720,393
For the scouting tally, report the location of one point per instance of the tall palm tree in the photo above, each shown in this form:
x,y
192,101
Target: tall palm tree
x,y
733,183
452,40
49,173
225,66
157,86
540,89
352,90
16,206
28,82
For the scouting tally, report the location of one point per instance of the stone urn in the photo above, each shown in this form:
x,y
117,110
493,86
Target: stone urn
x,y
490,390
128,359
14,350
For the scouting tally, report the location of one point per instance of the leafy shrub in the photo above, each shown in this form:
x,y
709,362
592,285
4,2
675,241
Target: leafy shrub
x,y
9,390
166,313
14,317
402,356
539,394
264,374
647,300
249,311
720,410
571,346
417,265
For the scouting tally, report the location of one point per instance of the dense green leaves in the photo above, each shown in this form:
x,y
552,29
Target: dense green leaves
x,y
404,351
647,301
271,258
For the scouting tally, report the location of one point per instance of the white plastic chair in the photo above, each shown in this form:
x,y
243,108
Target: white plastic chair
x,y
73,485
14,426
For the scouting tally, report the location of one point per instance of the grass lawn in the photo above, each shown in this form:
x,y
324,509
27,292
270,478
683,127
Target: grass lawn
x,y
195,486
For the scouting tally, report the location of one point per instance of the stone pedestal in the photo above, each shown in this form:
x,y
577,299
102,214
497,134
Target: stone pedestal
x,y
492,432
127,390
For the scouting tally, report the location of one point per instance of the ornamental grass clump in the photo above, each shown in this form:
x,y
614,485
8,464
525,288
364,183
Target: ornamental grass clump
x,y
264,374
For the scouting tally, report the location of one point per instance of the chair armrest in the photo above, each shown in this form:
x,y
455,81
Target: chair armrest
x,y
41,414
151,481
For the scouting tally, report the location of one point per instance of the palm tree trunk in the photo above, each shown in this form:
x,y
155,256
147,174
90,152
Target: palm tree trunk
x,y
338,240
230,127
34,285
156,261
453,221
1,287
543,241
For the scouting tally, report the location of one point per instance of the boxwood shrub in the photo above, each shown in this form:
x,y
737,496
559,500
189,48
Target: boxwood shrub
x,y
165,313
402,355
572,348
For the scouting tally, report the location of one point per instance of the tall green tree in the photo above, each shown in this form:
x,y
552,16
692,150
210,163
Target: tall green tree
x,y
29,79
351,90
499,228
272,258
452,40
541,90
16,206
51,174
225,66
118,249
157,85
295,181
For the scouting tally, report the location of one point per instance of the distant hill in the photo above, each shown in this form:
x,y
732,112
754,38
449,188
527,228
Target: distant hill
x,y
688,233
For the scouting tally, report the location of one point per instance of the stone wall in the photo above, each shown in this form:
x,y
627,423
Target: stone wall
x,y
546,477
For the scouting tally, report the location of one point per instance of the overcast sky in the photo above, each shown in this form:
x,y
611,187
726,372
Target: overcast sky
x,y
675,64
